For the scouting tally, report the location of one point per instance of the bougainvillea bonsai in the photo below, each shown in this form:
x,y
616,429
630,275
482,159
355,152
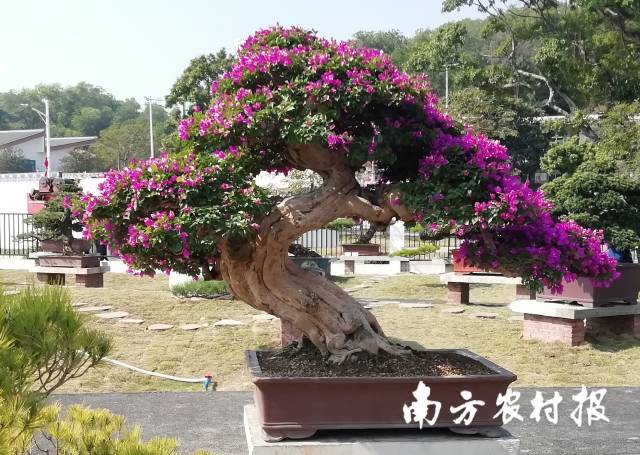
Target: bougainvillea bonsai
x,y
293,100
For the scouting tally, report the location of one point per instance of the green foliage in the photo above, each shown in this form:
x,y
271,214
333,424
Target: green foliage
x,y
195,82
341,223
418,251
81,160
55,222
206,289
391,42
12,160
507,119
597,196
85,431
79,110
43,344
564,158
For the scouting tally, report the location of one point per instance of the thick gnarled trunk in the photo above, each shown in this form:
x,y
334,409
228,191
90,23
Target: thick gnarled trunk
x,y
260,272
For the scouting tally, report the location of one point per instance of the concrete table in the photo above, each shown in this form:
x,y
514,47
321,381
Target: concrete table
x,y
458,285
398,264
551,321
379,442
90,277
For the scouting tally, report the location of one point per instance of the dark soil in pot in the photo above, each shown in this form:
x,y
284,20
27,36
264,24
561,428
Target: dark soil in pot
x,y
308,362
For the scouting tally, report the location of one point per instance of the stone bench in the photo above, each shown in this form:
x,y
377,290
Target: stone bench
x,y
91,277
350,262
458,285
568,324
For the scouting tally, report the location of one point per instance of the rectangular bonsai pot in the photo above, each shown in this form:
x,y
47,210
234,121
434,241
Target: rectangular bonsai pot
x,y
296,407
460,268
363,249
55,246
55,260
623,290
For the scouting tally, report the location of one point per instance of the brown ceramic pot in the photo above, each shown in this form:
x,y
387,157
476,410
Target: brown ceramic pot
x,y
55,260
55,246
623,290
363,249
296,407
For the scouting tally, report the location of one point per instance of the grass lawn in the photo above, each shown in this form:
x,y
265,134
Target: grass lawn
x,y
219,350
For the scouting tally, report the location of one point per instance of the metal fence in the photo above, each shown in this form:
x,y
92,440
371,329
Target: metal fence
x,y
328,242
12,225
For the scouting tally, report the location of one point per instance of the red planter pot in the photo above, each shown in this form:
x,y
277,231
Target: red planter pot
x,y
55,260
460,268
363,249
296,407
623,290
55,246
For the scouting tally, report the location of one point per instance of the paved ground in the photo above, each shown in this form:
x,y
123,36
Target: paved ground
x,y
213,421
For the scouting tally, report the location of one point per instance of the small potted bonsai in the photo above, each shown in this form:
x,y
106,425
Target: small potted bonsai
x,y
54,226
597,195
362,244
342,107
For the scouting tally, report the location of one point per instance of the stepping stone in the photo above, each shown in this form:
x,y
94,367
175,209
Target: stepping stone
x,y
11,292
113,315
456,310
91,309
77,304
223,322
517,318
415,305
263,317
484,315
191,326
131,321
160,327
367,307
391,302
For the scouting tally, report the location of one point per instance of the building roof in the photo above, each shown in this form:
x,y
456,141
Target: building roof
x,y
66,142
9,138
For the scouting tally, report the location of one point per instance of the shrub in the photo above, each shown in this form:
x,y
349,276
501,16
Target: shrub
x,y
205,289
411,252
341,223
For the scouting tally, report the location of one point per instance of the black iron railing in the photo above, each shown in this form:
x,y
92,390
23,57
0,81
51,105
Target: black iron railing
x,y
12,226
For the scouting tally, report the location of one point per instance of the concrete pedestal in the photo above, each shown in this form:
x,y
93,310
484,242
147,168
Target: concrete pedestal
x,y
378,442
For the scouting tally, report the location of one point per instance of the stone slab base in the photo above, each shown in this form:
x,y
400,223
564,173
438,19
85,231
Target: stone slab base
x,y
378,442
545,328
90,281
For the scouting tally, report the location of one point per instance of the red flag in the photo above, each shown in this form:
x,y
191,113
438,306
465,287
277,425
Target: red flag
x,y
46,167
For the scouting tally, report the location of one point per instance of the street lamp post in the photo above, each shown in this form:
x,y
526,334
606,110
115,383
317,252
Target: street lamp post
x,y
150,100
44,116
446,84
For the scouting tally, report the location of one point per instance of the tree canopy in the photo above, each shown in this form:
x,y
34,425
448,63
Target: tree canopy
x,y
292,100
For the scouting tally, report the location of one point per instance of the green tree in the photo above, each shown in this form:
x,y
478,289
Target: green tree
x,y
391,42
81,160
12,160
43,345
127,140
194,83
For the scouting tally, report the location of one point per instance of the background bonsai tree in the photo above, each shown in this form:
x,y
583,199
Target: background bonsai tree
x,y
55,221
292,100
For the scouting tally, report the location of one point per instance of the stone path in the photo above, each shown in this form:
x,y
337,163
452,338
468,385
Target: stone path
x,y
227,322
482,315
112,315
456,310
160,327
93,309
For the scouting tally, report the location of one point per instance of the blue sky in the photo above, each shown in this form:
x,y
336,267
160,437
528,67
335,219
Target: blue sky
x,y
134,48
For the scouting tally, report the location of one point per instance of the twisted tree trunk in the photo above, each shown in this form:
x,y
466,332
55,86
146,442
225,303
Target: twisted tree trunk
x,y
260,272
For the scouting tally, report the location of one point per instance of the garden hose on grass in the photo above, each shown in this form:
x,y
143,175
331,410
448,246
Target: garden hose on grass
x,y
205,380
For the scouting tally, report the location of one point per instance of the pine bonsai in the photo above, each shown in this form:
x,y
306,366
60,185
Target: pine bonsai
x,y
293,100
55,221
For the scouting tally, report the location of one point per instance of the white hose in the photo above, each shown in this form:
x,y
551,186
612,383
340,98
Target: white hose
x,y
152,373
